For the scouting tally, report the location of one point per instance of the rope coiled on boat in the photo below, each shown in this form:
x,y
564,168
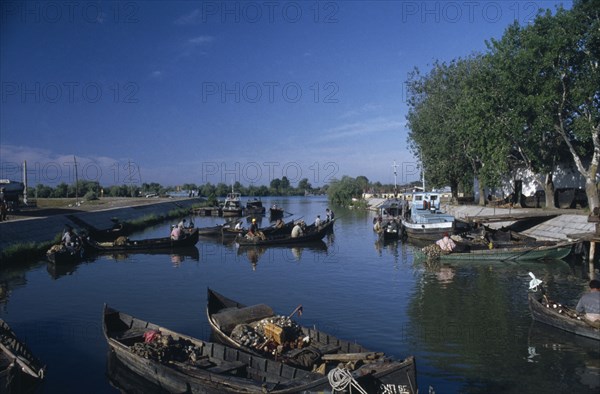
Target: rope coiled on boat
x,y
341,378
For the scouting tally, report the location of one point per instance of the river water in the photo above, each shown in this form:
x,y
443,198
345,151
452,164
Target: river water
x,y
468,325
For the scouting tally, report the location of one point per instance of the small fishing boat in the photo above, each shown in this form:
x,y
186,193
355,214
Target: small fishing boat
x,y
559,316
284,229
240,326
539,250
425,219
212,231
61,254
255,207
180,363
391,230
20,370
232,205
310,234
275,213
189,238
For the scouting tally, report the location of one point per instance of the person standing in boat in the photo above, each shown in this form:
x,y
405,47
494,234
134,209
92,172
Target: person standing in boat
x,y
589,303
318,221
330,215
446,243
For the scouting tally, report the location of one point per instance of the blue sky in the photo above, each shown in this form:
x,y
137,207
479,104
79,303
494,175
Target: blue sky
x,y
208,91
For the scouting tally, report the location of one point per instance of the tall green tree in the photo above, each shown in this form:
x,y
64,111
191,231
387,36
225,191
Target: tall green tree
x,y
435,135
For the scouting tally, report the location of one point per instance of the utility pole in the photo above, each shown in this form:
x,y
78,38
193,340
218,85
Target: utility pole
x,y
395,167
76,182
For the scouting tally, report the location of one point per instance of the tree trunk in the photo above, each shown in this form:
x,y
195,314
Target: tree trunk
x,y
481,194
454,190
549,190
591,189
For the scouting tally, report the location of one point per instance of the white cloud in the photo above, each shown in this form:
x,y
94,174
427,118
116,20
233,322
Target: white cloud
x,y
201,40
189,19
51,168
366,127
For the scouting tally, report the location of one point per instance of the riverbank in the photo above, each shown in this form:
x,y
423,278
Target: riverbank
x,y
32,231
551,224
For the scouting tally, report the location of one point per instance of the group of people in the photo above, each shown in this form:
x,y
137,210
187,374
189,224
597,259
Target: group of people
x,y
177,231
70,239
329,215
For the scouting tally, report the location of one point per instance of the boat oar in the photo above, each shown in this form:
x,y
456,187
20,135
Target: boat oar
x,y
299,309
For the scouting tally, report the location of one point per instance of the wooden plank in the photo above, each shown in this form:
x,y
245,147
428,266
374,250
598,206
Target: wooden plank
x,y
351,356
226,366
591,261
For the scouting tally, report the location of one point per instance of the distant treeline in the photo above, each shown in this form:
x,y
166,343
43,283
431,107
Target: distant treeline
x,y
530,102
91,190
339,191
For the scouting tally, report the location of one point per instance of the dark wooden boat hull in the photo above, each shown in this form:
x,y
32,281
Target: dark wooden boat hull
x,y
276,213
252,374
67,257
20,370
165,243
232,212
255,208
514,253
214,231
425,232
403,377
551,317
286,239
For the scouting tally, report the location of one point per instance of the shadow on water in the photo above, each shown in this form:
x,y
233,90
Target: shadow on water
x,y
127,381
574,357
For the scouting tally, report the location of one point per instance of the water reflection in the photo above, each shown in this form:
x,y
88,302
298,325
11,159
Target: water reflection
x,y
469,318
11,278
127,381
291,252
550,347
57,271
181,253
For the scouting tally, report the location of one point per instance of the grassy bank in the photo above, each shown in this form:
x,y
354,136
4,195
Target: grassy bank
x,y
37,250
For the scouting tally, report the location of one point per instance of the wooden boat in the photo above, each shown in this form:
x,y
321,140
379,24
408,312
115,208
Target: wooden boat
x,y
212,231
391,231
60,254
515,252
107,235
324,351
560,317
102,235
276,213
180,363
189,238
286,229
425,220
232,205
255,207
20,370
310,234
